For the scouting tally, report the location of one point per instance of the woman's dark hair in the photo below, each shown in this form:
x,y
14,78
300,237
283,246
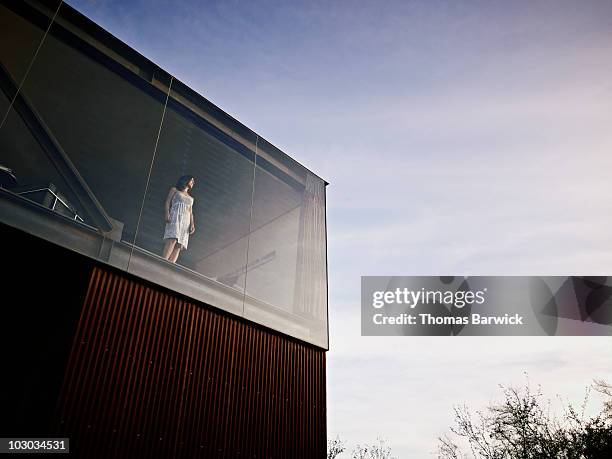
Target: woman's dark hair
x,y
181,183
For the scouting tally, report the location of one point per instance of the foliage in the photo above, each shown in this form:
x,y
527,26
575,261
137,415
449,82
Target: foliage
x,y
520,427
606,389
375,451
334,448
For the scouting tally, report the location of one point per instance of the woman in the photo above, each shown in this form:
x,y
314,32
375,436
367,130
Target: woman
x,y
179,218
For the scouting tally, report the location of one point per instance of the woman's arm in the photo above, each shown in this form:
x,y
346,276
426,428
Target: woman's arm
x,y
192,226
167,204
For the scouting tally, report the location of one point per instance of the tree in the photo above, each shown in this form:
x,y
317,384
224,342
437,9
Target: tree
x,y
378,450
606,389
334,448
521,428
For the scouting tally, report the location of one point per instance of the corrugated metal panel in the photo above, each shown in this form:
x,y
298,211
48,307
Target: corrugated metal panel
x,y
153,375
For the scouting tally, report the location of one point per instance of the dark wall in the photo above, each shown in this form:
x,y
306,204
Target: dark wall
x,y
43,288
127,369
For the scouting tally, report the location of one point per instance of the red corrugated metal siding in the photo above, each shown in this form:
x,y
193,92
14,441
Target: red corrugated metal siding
x,y
153,375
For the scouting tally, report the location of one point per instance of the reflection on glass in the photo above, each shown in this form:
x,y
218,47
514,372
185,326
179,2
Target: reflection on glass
x,y
20,37
95,124
202,222
286,279
34,189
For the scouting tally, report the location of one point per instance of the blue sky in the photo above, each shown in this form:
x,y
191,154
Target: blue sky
x,y
458,137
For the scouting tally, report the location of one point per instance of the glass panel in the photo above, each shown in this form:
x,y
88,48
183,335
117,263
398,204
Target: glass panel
x,y
22,28
210,264
286,286
83,130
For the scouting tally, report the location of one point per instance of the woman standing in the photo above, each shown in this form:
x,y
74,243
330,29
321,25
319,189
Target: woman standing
x,y
179,218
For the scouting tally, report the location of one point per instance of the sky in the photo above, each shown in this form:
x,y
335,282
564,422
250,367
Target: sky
x,y
459,138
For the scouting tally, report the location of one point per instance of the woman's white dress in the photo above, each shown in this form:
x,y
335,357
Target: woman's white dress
x,y
180,219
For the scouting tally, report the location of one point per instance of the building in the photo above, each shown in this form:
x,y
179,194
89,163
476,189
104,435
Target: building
x,y
221,354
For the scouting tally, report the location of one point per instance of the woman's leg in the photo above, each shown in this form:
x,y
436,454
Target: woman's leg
x,y
169,246
175,253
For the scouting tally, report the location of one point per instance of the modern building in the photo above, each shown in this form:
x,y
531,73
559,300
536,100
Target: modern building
x,y
107,342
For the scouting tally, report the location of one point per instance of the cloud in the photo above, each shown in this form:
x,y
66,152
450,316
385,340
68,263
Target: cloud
x,y
405,387
459,138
